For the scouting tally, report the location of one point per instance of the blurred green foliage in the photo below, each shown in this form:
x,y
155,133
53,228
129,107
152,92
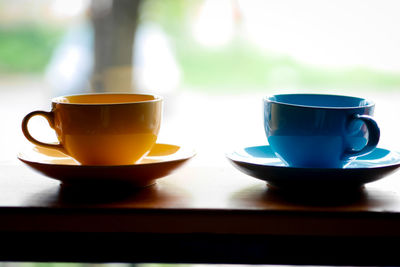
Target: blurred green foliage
x,y
241,66
27,48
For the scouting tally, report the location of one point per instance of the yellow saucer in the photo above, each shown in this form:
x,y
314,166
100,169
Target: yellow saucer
x,y
161,161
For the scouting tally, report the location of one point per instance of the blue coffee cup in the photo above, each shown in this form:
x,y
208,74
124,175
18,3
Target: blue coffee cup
x,y
319,131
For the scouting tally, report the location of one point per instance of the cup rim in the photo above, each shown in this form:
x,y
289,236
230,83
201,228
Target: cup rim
x,y
369,103
58,99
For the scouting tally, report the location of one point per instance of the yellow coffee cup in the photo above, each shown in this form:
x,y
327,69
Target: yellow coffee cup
x,y
102,129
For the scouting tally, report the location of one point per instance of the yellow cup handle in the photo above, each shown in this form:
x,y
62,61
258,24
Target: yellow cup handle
x,y
49,116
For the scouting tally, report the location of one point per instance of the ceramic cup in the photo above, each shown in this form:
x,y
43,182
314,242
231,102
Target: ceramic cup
x,y
102,129
319,131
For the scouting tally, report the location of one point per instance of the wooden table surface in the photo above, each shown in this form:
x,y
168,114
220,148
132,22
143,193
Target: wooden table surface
x,y
200,214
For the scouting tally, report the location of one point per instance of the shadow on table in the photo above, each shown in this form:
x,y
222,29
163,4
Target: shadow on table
x,y
331,197
274,198
105,193
121,195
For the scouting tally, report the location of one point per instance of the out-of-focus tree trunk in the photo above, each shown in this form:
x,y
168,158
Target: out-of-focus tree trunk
x,y
114,23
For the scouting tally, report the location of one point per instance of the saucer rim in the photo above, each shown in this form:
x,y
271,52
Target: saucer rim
x,y
242,160
191,152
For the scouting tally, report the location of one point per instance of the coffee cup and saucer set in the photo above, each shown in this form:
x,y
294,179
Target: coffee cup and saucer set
x,y
104,139
317,142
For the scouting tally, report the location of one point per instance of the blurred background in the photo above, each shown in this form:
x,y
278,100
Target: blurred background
x,y
205,46
212,60
202,45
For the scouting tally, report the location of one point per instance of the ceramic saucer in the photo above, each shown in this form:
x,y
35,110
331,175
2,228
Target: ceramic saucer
x,y
261,162
161,161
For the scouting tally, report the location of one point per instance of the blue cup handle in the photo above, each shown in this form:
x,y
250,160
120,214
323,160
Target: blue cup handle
x,y
373,136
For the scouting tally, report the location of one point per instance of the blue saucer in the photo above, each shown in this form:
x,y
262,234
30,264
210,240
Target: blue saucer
x,y
261,162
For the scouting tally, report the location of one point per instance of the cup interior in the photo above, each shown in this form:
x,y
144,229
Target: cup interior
x,y
320,100
105,99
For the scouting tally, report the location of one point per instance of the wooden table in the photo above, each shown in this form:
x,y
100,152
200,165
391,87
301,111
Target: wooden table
x,y
200,214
